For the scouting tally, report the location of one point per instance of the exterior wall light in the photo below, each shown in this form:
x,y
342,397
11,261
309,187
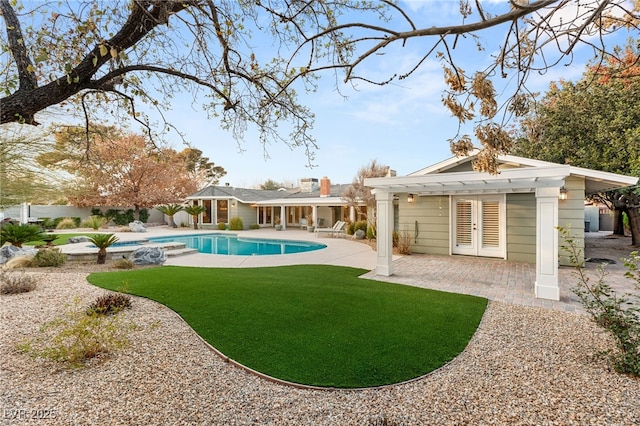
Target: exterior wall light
x,y
410,198
563,193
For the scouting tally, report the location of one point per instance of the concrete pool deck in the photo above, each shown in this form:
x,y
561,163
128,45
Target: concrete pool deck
x,y
339,251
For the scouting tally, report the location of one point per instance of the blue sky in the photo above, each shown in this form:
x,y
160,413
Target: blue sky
x,y
403,125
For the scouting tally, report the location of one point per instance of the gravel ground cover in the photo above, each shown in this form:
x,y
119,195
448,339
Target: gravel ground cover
x,y
525,365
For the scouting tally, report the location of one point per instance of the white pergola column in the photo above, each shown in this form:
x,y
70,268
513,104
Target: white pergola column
x,y
546,286
352,214
384,211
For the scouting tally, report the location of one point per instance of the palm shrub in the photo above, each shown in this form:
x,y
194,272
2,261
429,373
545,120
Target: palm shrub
x,y
102,241
19,234
194,211
170,210
94,222
618,314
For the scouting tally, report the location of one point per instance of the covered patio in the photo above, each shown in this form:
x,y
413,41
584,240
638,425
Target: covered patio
x,y
507,281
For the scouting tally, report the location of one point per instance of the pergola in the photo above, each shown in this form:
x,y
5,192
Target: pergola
x,y
542,178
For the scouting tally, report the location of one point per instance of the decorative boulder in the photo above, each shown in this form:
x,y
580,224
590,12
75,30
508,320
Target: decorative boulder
x,y
137,226
8,252
360,234
78,239
148,256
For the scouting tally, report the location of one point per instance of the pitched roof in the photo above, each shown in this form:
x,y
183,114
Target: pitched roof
x,y
263,196
515,173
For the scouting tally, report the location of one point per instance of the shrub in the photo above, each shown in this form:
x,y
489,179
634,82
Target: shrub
x,y
222,226
255,226
77,337
618,314
351,228
19,234
49,257
18,262
372,233
48,223
94,222
14,283
110,303
144,215
236,224
124,264
66,223
404,243
121,217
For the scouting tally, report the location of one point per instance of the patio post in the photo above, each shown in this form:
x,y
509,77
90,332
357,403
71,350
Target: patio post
x,y
384,237
546,286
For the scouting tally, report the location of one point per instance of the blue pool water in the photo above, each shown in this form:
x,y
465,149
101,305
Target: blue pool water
x,y
227,244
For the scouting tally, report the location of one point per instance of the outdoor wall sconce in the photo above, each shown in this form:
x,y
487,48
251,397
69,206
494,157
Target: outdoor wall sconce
x,y
410,198
563,193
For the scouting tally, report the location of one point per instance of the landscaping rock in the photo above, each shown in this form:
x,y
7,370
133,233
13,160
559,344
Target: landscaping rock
x,y
8,252
137,226
360,234
148,256
78,239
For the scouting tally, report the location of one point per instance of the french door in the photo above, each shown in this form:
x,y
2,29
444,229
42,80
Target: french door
x,y
478,225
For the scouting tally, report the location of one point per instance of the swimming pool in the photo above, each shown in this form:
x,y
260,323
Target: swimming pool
x,y
231,244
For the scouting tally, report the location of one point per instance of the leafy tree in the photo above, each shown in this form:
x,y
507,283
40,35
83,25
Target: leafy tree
x,y
592,123
271,185
358,193
105,56
201,170
124,172
74,145
21,178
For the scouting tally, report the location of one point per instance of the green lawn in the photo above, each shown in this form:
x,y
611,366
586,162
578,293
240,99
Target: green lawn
x,y
62,238
313,324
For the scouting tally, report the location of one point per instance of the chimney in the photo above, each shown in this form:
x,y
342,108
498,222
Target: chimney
x,y
308,184
325,187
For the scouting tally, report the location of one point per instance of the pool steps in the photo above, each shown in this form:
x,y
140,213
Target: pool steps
x,y
171,249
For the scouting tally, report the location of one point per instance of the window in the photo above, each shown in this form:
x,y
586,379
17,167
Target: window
x,y
222,210
206,215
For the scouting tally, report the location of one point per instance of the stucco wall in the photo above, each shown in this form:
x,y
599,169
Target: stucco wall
x,y
52,212
432,214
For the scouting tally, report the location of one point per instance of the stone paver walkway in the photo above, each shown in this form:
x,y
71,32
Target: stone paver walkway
x,y
495,279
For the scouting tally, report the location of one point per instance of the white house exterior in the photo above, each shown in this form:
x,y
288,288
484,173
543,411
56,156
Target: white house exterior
x,y
449,209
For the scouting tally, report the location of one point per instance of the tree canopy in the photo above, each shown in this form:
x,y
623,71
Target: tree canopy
x,y
125,170
358,194
244,61
593,123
